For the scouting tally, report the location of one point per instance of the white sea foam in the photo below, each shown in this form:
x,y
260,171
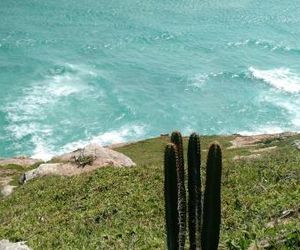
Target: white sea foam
x,y
27,116
124,134
199,80
40,94
265,44
291,108
238,44
279,78
45,151
82,69
42,150
63,85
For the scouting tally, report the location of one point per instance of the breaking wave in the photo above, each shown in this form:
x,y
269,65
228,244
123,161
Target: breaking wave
x,y
279,78
28,115
127,133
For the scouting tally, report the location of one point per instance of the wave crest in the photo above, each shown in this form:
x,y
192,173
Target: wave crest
x,y
279,78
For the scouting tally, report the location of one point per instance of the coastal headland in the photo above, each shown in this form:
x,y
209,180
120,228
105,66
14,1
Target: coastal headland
x,y
123,207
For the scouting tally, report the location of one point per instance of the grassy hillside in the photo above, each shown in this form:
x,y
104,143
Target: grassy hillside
x,y
123,208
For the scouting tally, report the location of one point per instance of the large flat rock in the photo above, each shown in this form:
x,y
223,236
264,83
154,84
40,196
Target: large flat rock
x,y
66,165
102,156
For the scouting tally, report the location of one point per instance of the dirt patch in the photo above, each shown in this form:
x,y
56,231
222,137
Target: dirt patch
x,y
21,161
5,179
119,145
248,141
261,150
5,176
285,217
256,154
247,157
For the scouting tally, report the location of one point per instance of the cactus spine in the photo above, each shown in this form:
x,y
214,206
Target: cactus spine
x,y
176,138
212,199
194,190
171,163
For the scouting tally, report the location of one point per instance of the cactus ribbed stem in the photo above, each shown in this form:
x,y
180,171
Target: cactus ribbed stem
x,y
212,199
171,163
194,190
176,138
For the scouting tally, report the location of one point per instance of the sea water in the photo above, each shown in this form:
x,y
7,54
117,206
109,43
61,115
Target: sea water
x,y
74,72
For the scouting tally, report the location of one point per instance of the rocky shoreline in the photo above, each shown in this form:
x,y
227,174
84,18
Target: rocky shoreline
x,y
239,151
69,164
80,161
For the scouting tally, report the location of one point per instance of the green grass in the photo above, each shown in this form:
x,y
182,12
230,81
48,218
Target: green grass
x,y
123,208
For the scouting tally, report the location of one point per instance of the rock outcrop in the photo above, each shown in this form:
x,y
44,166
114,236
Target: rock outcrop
x,y
102,156
67,164
248,141
7,190
296,143
5,179
7,245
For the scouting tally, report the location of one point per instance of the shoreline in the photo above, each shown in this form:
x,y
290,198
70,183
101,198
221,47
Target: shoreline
x,y
243,139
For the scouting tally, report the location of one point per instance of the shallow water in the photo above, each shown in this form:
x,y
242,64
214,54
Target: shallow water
x,y
113,71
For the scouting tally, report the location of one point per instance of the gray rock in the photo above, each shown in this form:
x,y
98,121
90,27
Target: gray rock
x,y
102,156
7,245
296,143
7,190
68,167
42,170
248,141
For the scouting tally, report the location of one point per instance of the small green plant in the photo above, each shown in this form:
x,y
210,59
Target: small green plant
x,y
204,223
82,160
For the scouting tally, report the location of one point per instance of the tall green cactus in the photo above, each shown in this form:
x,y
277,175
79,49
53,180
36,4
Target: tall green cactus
x,y
171,163
212,199
176,138
205,235
194,190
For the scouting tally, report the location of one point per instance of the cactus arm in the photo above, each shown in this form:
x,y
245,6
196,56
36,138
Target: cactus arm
x,y
194,190
176,138
171,195
212,199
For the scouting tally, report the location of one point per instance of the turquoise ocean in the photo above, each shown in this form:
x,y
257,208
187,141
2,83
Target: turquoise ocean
x,y
74,72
